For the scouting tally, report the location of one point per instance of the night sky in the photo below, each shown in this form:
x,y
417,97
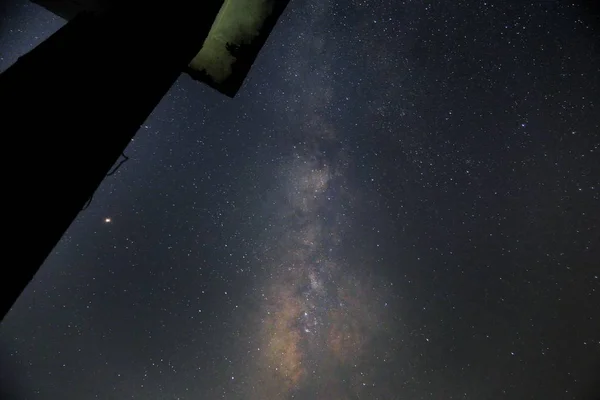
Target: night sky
x,y
402,202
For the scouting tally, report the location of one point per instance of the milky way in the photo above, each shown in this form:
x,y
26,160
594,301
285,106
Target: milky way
x,y
319,310
316,316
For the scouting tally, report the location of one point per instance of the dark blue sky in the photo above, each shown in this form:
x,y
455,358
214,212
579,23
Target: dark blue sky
x,y
400,203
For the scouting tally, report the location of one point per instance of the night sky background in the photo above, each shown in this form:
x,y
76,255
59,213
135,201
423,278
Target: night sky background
x,y
402,202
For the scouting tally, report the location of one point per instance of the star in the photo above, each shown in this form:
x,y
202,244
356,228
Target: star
x,y
107,220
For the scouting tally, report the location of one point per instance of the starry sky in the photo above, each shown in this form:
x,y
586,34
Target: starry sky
x,y
400,203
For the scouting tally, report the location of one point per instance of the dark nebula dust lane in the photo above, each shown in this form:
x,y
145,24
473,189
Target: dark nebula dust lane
x,y
400,203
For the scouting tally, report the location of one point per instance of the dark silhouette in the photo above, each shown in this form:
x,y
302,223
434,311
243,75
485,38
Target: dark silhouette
x,y
71,106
